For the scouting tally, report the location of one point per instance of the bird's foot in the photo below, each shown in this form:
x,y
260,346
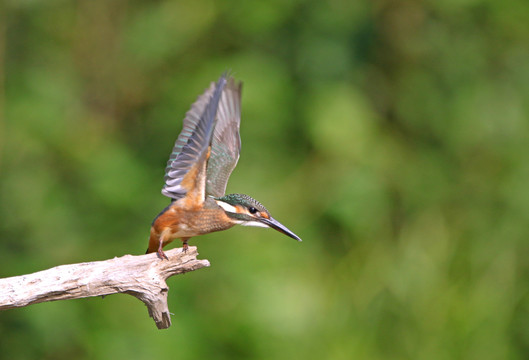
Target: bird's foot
x,y
185,247
162,255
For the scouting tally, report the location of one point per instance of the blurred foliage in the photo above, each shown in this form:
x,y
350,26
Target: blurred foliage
x,y
392,136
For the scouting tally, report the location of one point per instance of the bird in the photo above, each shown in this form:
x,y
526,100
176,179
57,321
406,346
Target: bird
x,y
202,160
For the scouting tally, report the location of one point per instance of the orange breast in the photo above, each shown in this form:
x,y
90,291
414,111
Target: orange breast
x,y
176,223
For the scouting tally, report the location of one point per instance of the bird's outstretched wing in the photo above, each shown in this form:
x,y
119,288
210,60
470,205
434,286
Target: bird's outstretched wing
x,y
185,171
226,141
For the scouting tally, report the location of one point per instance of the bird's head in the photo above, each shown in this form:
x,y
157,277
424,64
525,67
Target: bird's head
x,y
247,211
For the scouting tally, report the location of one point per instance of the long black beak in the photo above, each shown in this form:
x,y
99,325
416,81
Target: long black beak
x,y
274,224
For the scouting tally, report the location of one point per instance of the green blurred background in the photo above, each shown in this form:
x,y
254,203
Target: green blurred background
x,y
392,136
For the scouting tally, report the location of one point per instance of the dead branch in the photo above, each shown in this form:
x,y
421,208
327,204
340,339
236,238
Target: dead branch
x,y
141,276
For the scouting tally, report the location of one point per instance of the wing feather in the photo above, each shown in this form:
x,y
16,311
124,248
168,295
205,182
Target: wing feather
x,y
191,147
226,141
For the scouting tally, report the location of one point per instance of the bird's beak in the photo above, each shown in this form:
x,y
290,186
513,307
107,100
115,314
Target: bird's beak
x,y
274,224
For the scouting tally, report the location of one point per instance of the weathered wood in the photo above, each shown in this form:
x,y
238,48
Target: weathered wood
x,y
141,276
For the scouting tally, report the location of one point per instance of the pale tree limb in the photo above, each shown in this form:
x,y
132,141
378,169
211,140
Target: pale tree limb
x,y
141,276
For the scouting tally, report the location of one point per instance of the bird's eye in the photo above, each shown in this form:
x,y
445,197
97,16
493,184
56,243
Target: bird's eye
x,y
252,210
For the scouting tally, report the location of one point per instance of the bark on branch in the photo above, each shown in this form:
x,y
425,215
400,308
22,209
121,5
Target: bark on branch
x,y
141,276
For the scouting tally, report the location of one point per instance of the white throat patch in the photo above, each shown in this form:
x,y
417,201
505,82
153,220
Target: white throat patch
x,y
254,223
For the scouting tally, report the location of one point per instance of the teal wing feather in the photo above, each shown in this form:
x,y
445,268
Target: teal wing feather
x,y
226,141
192,144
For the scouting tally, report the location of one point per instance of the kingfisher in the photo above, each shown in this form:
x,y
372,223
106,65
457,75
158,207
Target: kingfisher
x,y
203,158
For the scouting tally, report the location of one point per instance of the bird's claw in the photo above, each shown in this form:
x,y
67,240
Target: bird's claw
x,y
162,255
